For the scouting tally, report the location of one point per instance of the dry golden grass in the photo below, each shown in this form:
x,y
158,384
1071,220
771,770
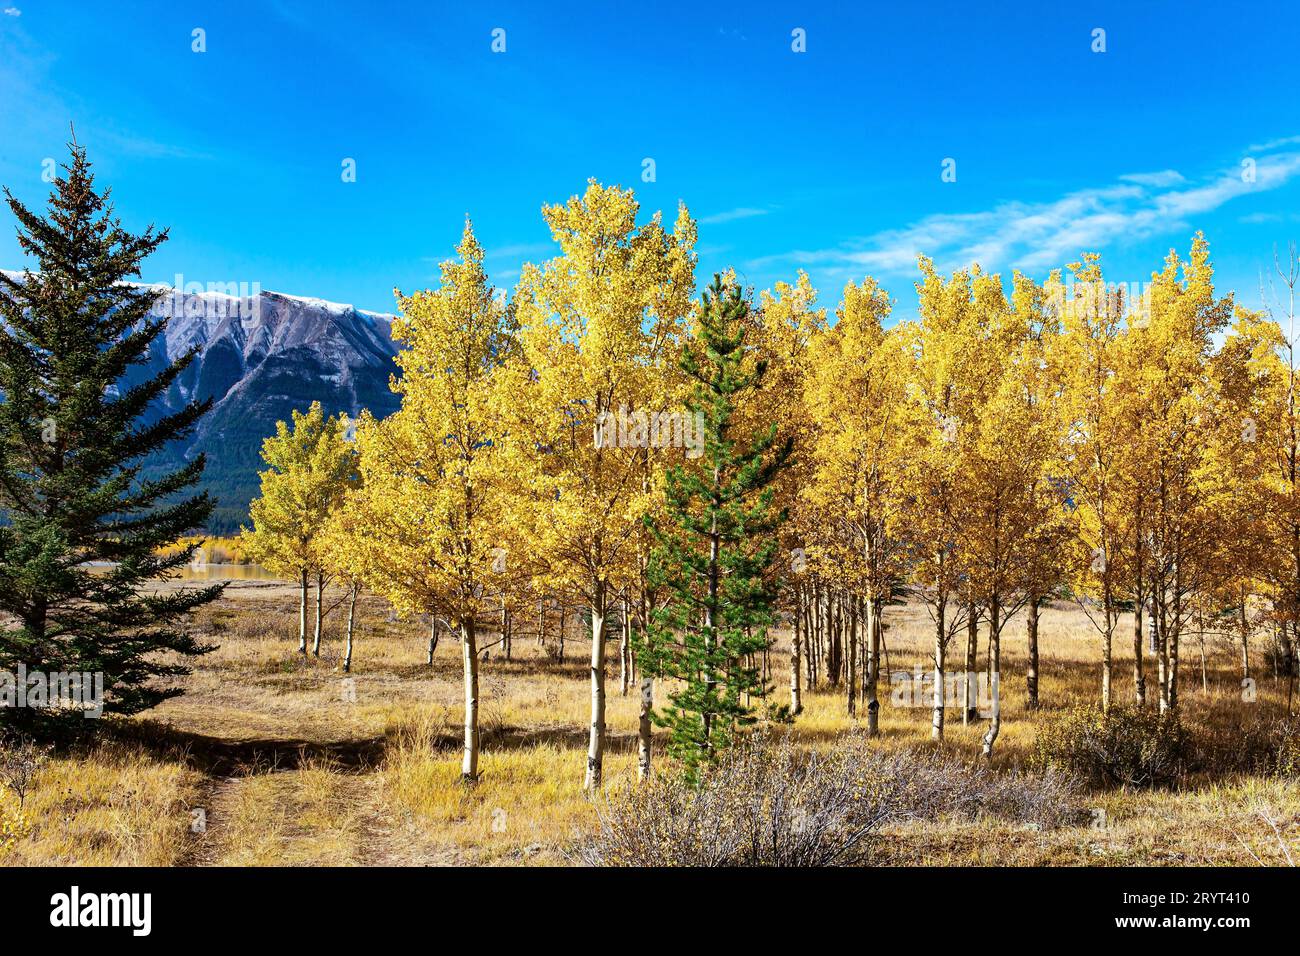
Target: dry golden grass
x,y
112,805
290,771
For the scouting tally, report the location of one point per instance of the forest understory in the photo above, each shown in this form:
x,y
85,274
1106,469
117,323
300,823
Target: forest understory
x,y
268,760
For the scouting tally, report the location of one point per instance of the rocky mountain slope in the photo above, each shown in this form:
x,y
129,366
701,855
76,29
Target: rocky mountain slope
x,y
263,354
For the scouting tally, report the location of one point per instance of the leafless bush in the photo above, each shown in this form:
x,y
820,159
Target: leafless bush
x,y
1046,800
767,803
21,760
1270,747
1129,746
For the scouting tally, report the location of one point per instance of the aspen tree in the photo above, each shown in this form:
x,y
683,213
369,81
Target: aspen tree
x,y
427,518
1174,384
597,322
310,465
783,334
853,394
1097,451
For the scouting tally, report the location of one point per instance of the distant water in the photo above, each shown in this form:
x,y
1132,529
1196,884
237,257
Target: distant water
x,y
219,572
229,572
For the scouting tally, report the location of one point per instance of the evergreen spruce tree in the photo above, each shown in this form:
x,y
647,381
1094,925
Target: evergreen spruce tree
x,y
72,445
713,552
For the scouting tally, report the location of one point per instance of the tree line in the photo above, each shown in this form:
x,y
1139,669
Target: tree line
x,y
1008,445
687,472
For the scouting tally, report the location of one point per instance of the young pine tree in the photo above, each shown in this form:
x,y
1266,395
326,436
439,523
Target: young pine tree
x,y
714,549
72,444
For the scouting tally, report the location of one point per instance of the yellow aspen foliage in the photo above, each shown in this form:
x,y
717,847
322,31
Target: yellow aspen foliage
x,y
425,522
593,389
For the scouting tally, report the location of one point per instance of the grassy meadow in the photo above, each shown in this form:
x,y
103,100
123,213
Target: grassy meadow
x,y
266,759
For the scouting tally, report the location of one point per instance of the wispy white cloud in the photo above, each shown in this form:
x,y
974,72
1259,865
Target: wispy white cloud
x,y
1263,218
1273,144
1034,236
13,12
1166,177
731,215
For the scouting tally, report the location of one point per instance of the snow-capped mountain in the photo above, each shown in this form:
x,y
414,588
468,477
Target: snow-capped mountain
x,y
263,355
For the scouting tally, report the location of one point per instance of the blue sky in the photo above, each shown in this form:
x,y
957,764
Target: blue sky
x,y
828,160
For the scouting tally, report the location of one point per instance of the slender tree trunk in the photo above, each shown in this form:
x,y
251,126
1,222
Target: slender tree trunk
x,y
995,668
505,628
834,617
809,640
884,645
852,658
624,654
870,691
819,636
352,617
564,620
1031,670
596,742
1139,679
1245,642
302,613
320,611
644,728
969,692
1175,640
1162,643
796,701
940,649
469,655
1107,643
433,637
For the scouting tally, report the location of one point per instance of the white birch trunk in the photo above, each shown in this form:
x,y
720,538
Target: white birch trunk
x,y
995,667
644,728
352,618
320,600
302,612
940,647
796,701
596,742
469,654
870,694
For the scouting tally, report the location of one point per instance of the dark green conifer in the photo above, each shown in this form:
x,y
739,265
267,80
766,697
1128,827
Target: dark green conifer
x,y
713,553
82,532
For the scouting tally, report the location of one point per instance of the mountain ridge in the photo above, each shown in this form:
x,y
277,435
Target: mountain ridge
x,y
261,356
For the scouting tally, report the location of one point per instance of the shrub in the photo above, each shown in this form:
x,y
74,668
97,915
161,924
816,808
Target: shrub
x,y
1284,752
14,826
1130,746
1279,657
767,803
1227,746
21,760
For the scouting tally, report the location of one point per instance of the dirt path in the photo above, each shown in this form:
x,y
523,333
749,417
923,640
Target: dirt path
x,y
277,815
213,802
